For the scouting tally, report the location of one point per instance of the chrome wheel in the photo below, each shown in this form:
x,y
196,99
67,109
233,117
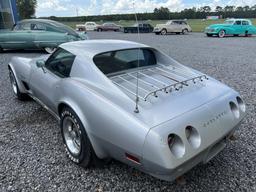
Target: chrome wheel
x,y
50,49
163,32
222,34
72,135
184,31
14,83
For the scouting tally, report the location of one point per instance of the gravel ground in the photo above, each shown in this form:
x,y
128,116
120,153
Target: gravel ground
x,y
32,155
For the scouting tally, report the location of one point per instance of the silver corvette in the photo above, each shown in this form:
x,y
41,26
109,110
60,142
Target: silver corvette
x,y
131,102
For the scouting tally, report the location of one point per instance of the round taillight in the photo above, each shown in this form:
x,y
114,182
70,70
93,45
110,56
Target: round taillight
x,y
241,104
193,136
234,109
176,145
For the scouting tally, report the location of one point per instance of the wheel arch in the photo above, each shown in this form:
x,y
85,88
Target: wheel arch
x,y
21,86
99,151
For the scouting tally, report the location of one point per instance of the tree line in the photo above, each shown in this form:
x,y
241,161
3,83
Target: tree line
x,y
163,13
27,8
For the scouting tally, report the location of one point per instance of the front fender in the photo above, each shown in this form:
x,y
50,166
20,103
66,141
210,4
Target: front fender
x,y
21,68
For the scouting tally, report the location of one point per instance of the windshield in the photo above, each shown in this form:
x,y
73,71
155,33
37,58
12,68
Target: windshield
x,y
115,61
229,22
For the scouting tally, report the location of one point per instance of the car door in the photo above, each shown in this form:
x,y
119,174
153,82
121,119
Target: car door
x,y
237,27
21,37
45,81
173,27
245,26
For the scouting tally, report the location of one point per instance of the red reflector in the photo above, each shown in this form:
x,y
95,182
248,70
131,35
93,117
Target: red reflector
x,y
132,158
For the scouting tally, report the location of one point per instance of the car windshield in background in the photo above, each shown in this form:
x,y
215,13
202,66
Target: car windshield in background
x,y
229,21
116,61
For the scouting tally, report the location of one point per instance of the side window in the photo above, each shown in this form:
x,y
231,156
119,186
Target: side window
x,y
60,62
245,23
38,27
25,26
238,23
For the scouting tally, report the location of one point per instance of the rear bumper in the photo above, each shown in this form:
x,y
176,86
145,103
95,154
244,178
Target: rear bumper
x,y
203,157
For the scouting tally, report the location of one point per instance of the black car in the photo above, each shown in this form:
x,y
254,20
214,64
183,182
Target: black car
x,y
142,27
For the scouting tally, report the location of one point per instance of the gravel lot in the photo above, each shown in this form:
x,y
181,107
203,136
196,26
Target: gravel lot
x,y
32,156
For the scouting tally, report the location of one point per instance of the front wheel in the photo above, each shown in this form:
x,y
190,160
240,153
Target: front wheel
x,y
163,32
15,87
221,34
49,50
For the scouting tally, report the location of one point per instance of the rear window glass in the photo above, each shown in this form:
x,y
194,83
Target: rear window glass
x,y
116,61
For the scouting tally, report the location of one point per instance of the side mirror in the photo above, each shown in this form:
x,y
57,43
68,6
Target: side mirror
x,y
41,64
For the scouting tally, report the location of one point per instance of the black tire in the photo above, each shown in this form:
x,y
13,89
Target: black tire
x,y
163,32
15,88
86,157
247,34
1,50
99,30
185,31
209,35
157,33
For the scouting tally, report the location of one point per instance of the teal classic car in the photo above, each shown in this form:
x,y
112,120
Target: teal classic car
x,y
234,27
38,34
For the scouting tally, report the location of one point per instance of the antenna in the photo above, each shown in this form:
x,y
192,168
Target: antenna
x,y
138,65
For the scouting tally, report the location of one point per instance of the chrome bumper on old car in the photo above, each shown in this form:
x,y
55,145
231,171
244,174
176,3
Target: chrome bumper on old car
x,y
218,120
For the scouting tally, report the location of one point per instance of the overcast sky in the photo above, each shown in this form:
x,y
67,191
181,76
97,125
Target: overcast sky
x,y
97,7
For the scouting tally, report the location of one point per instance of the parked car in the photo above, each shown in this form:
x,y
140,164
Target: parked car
x,y
131,102
141,27
89,26
38,34
234,27
108,27
173,26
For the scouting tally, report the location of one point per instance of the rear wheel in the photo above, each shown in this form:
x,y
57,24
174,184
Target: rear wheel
x,y
15,87
184,31
247,34
99,30
221,34
157,33
209,35
163,32
76,142
50,50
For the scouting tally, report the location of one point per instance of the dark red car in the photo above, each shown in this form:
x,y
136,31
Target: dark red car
x,y
109,27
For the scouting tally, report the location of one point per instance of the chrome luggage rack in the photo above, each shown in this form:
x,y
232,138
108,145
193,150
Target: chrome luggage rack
x,y
154,79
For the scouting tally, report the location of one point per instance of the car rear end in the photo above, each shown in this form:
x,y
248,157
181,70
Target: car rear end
x,y
175,146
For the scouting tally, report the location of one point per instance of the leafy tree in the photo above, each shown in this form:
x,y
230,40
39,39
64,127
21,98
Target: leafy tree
x,y
218,9
239,8
229,8
246,8
26,8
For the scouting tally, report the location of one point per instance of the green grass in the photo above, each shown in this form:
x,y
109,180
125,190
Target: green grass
x,y
198,25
